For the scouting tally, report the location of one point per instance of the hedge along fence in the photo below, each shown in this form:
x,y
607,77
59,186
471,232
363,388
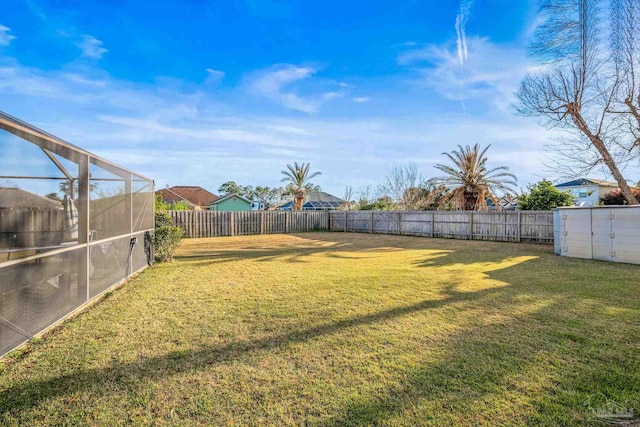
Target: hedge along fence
x,y
508,226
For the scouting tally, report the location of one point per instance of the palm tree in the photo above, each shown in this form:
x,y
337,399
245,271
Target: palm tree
x,y
70,187
298,178
470,182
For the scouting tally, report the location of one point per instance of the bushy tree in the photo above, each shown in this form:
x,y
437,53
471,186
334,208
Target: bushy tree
x,y
384,203
265,195
166,236
543,196
53,196
161,205
230,187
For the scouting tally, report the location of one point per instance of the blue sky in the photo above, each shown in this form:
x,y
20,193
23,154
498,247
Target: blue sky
x,y
201,92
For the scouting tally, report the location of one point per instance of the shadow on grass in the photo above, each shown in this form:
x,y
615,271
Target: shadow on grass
x,y
544,366
30,393
334,245
337,245
479,361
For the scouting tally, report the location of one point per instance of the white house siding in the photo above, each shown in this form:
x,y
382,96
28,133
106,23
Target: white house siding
x,y
584,195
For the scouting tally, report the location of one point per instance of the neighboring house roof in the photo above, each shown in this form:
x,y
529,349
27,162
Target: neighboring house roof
x,y
17,198
317,200
192,195
587,181
215,202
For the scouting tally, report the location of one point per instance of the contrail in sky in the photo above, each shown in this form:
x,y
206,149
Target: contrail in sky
x,y
461,32
461,38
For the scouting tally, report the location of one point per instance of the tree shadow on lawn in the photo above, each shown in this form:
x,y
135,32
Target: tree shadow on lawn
x,y
30,393
483,359
504,373
338,245
550,364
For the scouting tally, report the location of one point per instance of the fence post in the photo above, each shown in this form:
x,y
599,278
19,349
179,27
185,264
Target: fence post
x,y
433,224
261,221
371,222
346,217
519,223
471,226
286,222
399,222
232,224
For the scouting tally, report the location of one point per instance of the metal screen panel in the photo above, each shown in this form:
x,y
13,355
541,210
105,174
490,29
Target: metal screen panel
x,y
35,294
32,188
108,264
142,195
72,226
109,208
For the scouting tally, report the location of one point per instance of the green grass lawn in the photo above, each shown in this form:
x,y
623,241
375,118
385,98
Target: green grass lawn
x,y
342,329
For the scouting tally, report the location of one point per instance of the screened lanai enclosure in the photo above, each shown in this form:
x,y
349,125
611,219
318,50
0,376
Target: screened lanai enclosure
x,y
72,226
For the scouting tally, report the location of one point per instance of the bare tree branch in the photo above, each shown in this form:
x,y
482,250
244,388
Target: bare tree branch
x,y
586,89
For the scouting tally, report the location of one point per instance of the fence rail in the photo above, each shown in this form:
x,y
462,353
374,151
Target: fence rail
x,y
218,224
511,226
508,226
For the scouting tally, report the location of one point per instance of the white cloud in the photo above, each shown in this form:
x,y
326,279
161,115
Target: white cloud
x,y
91,47
214,76
181,134
361,99
328,96
491,73
284,84
404,45
291,129
273,84
159,131
5,37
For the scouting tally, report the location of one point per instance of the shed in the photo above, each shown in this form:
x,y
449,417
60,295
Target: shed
x,y
609,233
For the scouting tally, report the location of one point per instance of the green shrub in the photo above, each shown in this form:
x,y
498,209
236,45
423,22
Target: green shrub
x,y
543,196
167,237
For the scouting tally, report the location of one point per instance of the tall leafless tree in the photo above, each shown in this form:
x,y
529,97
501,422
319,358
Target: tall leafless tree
x,y
587,86
402,184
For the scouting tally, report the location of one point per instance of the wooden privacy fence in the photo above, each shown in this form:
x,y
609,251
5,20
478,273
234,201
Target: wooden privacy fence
x,y
30,227
504,226
217,224
508,226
